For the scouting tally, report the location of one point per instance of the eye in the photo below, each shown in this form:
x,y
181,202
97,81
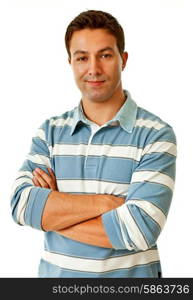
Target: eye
x,y
106,55
82,58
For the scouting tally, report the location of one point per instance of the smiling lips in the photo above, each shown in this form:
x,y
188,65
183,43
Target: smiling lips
x,y
95,83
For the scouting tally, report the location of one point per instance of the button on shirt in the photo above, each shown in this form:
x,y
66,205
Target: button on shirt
x,y
131,156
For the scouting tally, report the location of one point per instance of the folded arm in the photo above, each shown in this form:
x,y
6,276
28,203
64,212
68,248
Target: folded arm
x,y
64,210
79,216
90,232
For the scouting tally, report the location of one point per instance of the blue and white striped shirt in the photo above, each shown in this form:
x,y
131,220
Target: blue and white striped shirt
x,y
131,156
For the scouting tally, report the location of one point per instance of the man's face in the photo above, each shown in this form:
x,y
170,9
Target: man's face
x,y
96,63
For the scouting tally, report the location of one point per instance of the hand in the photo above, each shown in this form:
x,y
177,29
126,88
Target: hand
x,y
42,179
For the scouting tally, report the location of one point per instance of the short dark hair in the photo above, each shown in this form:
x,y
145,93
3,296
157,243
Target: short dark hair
x,y
95,19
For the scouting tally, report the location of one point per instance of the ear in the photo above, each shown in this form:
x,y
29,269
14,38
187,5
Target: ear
x,y
69,60
125,56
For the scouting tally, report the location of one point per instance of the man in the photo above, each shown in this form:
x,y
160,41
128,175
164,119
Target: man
x,y
98,179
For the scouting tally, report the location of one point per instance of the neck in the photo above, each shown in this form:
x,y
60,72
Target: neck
x,y
102,112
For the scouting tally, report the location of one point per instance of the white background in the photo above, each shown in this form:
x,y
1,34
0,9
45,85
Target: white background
x,y
37,83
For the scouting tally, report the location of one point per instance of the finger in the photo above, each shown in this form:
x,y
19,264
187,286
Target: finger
x,y
52,174
35,182
44,175
46,179
39,184
54,182
41,180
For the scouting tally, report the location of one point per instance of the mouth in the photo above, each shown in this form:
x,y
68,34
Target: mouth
x,y
95,83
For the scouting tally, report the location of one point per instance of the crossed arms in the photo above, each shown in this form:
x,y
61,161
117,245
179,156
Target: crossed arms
x,y
75,216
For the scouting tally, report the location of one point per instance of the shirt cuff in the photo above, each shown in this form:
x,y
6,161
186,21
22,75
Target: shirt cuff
x,y
34,209
112,229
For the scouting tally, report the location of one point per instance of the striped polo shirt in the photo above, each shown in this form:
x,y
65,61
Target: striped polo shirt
x,y
131,156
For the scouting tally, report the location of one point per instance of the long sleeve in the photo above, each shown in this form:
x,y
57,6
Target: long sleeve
x,y
28,201
137,224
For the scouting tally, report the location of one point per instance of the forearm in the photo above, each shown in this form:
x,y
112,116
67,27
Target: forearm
x,y
64,210
90,232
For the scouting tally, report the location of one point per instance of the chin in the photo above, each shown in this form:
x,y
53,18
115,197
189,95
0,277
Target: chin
x,y
98,97
98,100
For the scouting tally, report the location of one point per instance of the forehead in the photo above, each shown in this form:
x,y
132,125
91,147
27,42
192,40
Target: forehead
x,y
91,40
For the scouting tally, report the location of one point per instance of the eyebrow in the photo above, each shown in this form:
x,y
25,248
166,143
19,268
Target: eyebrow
x,y
86,52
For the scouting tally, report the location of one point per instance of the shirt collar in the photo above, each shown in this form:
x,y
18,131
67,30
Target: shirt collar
x,y
78,117
126,116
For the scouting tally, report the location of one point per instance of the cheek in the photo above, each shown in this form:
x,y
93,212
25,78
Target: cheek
x,y
114,69
79,70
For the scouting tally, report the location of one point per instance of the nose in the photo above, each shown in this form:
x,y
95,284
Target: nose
x,y
94,67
